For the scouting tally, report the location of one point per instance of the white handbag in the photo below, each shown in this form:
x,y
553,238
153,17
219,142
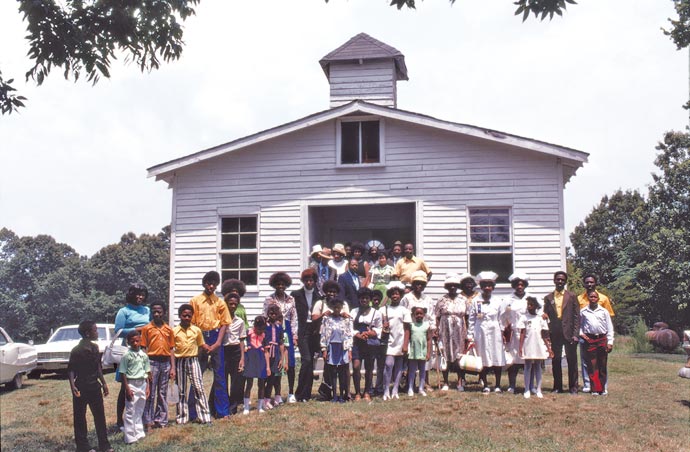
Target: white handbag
x,y
470,362
113,352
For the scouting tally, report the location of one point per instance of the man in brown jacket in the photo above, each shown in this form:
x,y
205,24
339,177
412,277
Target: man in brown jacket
x,y
563,311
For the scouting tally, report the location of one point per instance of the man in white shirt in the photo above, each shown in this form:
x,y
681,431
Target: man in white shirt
x,y
596,329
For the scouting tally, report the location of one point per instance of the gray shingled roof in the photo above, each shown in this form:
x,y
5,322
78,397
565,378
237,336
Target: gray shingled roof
x,y
364,47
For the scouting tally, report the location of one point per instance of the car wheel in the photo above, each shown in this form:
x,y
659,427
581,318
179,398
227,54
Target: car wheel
x,y
17,383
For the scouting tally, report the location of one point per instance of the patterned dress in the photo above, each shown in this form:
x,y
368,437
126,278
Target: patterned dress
x,y
452,330
336,336
380,277
287,308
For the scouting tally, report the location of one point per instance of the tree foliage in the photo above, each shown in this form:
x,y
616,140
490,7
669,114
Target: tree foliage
x,y
45,284
83,37
679,32
641,245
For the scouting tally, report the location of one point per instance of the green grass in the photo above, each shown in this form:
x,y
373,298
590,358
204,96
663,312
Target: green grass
x,y
648,409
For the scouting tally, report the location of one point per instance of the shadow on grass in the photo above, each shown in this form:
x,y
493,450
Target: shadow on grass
x,y
685,403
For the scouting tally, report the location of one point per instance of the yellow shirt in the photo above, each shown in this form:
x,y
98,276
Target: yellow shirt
x,y
558,299
604,302
187,341
405,267
210,312
158,341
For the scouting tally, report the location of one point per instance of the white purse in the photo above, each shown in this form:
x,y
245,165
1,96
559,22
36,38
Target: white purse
x,y
470,362
113,352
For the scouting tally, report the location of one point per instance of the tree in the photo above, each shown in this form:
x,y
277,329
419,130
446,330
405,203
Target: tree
x,y
665,272
82,37
145,259
609,235
680,30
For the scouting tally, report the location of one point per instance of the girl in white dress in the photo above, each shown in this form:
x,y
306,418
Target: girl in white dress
x,y
486,329
535,345
396,321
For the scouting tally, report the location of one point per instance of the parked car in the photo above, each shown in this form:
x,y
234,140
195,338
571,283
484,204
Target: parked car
x,y
16,360
53,356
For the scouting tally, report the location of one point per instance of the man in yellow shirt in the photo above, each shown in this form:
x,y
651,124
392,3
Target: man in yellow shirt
x,y
590,283
410,264
211,315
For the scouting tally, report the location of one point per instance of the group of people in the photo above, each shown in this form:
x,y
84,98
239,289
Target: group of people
x,y
379,319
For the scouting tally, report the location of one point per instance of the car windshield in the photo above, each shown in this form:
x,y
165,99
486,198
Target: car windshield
x,y
72,334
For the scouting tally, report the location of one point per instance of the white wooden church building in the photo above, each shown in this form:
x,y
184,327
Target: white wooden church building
x,y
470,198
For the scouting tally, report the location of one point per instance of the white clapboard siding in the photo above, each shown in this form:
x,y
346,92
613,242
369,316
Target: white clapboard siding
x,y
373,81
442,172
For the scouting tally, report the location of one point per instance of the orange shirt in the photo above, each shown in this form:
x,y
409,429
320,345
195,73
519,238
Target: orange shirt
x,y
604,302
159,341
210,312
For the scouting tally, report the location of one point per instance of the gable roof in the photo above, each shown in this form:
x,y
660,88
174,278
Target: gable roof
x,y
364,47
572,159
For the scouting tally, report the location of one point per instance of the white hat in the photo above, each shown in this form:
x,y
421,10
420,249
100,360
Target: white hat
x,y
487,276
339,248
395,284
520,276
419,275
452,278
465,276
316,249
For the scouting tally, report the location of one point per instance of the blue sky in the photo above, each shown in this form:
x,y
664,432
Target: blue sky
x,y
603,79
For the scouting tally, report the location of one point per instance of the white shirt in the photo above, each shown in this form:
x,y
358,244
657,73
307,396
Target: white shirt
x,y
235,332
309,296
597,321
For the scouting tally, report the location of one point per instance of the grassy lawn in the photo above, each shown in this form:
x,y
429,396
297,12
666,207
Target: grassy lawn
x,y
648,409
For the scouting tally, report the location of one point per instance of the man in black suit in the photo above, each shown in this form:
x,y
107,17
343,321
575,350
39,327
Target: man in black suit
x,y
349,285
308,335
563,311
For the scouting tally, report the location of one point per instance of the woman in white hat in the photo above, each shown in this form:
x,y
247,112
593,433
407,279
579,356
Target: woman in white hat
x,y
486,329
338,263
516,307
450,312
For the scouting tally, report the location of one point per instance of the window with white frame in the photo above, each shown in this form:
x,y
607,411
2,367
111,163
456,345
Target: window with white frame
x,y
491,245
239,249
359,142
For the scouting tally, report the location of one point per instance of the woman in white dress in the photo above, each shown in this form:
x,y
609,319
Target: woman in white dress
x,y
486,329
516,307
339,264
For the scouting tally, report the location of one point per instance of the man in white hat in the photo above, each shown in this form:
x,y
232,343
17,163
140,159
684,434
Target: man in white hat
x,y
319,262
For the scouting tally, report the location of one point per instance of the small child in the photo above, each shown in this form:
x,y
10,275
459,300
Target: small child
x,y
274,344
256,362
188,339
336,347
420,350
86,381
159,340
596,329
396,321
135,370
535,345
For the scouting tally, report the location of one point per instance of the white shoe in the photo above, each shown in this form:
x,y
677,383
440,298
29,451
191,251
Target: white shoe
x,y
395,395
410,392
422,392
461,388
605,392
245,411
527,394
486,390
586,389
497,390
291,398
540,395
386,396
261,406
277,400
511,390
444,388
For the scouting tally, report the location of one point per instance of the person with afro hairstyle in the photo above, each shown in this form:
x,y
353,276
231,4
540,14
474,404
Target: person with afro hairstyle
x,y
212,316
280,281
236,287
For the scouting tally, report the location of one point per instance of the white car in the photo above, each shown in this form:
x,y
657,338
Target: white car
x,y
53,356
16,359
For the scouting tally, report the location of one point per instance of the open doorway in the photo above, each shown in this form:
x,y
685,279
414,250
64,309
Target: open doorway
x,y
361,223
